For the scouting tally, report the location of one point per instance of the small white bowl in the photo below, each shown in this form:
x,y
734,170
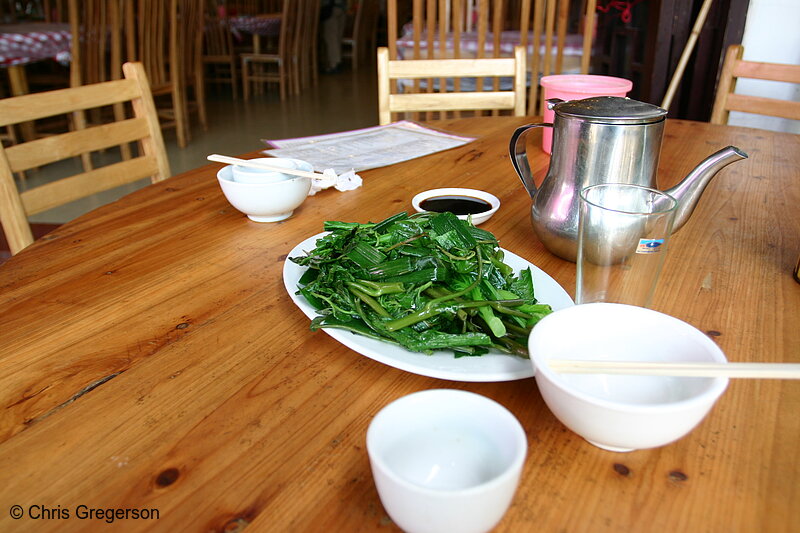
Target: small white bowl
x,y
624,412
477,218
264,202
446,460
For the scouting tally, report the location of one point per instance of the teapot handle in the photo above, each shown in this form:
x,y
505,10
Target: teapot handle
x,y
519,157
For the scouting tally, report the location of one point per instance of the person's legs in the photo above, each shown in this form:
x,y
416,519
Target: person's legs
x,y
332,34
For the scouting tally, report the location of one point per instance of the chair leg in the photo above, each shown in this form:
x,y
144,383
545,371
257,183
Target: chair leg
x,y
234,82
200,94
178,103
283,72
245,81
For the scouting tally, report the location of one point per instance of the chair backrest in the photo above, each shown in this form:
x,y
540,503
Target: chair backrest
x,y
547,22
191,23
446,99
441,29
735,67
152,37
16,206
302,41
96,27
491,28
217,39
55,10
364,21
360,34
255,7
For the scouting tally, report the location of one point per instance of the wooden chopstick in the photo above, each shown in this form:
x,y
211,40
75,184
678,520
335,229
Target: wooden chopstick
x,y
730,370
258,164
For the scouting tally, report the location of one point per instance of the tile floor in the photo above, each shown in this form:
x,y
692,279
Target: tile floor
x,y
339,102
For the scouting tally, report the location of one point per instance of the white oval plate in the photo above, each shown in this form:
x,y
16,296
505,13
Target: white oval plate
x,y
493,366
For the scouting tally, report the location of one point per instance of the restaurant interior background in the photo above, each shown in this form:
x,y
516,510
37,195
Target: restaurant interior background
x,y
644,47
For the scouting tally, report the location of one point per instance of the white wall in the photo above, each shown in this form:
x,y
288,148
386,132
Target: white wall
x,y
771,34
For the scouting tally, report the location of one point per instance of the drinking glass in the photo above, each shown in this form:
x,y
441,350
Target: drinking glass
x,y
623,232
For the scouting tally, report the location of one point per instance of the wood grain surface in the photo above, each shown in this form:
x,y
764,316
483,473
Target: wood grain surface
x,y
150,358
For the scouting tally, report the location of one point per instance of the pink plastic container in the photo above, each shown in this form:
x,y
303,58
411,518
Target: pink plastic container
x,y
578,87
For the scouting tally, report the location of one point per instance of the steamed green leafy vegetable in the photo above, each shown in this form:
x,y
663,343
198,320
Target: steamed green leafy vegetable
x,y
427,281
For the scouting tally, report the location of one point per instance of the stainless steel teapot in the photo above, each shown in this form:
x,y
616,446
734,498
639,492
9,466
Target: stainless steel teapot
x,y
604,139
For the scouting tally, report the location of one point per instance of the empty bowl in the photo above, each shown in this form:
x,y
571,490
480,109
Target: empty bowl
x,y
269,201
624,412
446,460
465,203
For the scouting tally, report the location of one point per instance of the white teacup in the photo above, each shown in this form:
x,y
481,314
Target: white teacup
x,y
446,460
255,175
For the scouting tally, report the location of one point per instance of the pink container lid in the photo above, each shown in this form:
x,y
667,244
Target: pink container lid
x,y
586,83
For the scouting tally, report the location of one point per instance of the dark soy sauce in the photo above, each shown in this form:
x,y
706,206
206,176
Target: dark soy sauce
x,y
456,204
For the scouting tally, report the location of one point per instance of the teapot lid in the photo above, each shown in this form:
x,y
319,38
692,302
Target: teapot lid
x,y
611,110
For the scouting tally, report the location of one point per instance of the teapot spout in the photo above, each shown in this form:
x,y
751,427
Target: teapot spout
x,y
688,191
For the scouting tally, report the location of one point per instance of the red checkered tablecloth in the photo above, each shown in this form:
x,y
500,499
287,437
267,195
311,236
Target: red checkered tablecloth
x,y
255,24
28,42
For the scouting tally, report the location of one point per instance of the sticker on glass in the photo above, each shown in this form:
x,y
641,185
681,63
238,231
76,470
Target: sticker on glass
x,y
649,246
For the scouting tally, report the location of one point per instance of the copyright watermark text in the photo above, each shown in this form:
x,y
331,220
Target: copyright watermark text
x,y
82,512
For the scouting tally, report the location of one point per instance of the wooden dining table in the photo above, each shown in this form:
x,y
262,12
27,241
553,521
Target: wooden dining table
x,y
155,373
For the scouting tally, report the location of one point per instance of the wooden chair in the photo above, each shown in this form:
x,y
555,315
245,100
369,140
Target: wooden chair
x,y
304,48
191,16
735,67
16,206
393,70
254,7
438,28
96,27
546,22
359,42
219,57
55,10
166,37
485,28
282,59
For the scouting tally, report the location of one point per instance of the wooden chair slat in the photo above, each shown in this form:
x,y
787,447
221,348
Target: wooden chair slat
x,y
484,100
760,105
40,105
57,148
424,68
767,71
79,186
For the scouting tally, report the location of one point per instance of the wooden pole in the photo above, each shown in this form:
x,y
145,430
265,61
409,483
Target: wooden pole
x,y
687,51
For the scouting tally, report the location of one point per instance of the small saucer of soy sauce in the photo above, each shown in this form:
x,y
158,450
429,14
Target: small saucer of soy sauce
x,y
480,205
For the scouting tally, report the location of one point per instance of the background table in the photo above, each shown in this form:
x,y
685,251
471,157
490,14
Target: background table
x,y
24,43
34,41
256,25
151,358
